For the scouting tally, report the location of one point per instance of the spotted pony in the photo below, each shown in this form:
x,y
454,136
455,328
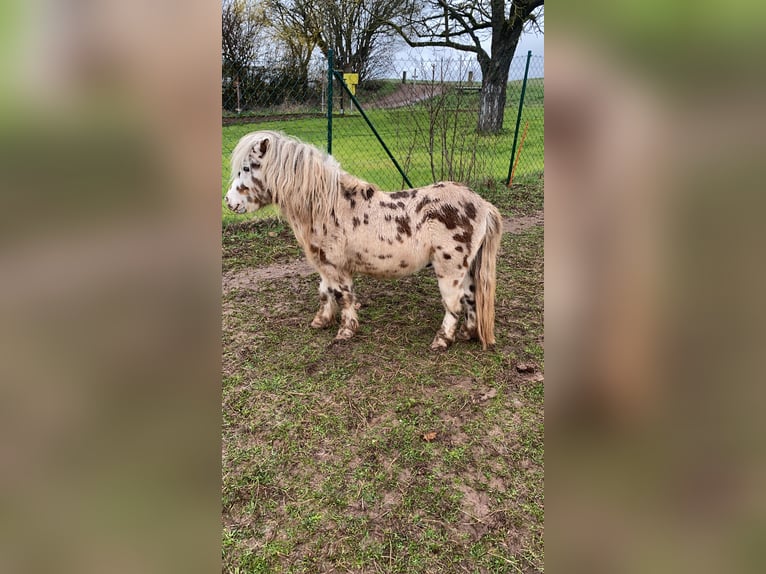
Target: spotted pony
x,y
346,226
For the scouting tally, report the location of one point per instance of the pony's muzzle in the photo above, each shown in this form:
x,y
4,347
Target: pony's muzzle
x,y
237,207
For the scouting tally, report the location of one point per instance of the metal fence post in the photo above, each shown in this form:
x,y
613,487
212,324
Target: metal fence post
x,y
330,78
518,116
372,128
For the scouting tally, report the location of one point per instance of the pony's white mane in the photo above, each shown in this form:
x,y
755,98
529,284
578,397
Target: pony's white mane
x,y
304,181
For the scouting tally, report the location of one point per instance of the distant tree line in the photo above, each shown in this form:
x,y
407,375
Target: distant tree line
x,y
267,45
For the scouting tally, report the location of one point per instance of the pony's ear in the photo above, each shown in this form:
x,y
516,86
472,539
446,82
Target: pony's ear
x,y
261,148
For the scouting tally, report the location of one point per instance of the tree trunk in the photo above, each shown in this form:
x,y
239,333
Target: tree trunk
x,y
492,104
494,79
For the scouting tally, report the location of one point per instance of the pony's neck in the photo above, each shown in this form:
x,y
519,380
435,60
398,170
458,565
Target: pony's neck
x,y
348,181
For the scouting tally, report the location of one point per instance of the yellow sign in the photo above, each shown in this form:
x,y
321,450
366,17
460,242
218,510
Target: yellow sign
x,y
351,81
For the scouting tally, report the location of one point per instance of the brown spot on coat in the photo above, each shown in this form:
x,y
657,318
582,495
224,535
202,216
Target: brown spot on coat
x,y
464,237
403,264
422,203
316,250
368,193
459,248
447,214
470,210
403,225
264,147
399,195
355,222
447,256
350,194
392,205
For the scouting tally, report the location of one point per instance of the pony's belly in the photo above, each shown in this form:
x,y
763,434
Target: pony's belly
x,y
388,268
387,261
389,273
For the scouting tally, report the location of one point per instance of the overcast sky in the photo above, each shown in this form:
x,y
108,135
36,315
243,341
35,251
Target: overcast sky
x,y
529,41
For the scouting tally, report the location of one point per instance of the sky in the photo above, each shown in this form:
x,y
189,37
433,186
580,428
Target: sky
x,y
530,40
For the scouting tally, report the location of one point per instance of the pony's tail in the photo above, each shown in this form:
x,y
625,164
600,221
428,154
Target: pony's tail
x,y
484,278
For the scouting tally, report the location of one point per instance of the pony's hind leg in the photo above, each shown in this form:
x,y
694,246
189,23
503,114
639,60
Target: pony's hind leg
x,y
450,287
327,306
468,330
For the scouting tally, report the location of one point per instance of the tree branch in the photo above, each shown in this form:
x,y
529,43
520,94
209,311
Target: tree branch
x,y
470,30
432,43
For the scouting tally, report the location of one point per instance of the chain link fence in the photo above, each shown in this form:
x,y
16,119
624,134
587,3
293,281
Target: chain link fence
x,y
426,111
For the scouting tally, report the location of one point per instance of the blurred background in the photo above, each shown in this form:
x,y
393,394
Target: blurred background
x,y
654,319
110,284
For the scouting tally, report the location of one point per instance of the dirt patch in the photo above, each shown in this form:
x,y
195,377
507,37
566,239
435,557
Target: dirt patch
x,y
476,508
249,278
522,223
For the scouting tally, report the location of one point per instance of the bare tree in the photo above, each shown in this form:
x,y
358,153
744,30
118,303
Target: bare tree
x,y
240,29
463,25
356,30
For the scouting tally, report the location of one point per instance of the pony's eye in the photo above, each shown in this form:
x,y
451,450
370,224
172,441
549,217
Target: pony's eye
x,y
245,169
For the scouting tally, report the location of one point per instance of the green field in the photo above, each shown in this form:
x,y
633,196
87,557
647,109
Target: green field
x,y
458,152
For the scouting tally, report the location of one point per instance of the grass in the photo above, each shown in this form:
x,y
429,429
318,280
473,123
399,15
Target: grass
x,y
328,464
473,158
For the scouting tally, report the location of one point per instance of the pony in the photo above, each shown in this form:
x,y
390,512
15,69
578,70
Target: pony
x,y
346,225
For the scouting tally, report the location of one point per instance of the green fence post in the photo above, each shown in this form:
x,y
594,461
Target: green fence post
x,y
330,79
518,116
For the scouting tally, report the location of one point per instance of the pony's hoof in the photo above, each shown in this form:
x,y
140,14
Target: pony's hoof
x,y
466,335
344,334
440,344
320,323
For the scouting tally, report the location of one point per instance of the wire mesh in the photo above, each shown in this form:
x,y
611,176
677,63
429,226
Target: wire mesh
x,y
426,111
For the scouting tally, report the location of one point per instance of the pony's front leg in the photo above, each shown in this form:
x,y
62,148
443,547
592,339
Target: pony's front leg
x,y
327,306
349,322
